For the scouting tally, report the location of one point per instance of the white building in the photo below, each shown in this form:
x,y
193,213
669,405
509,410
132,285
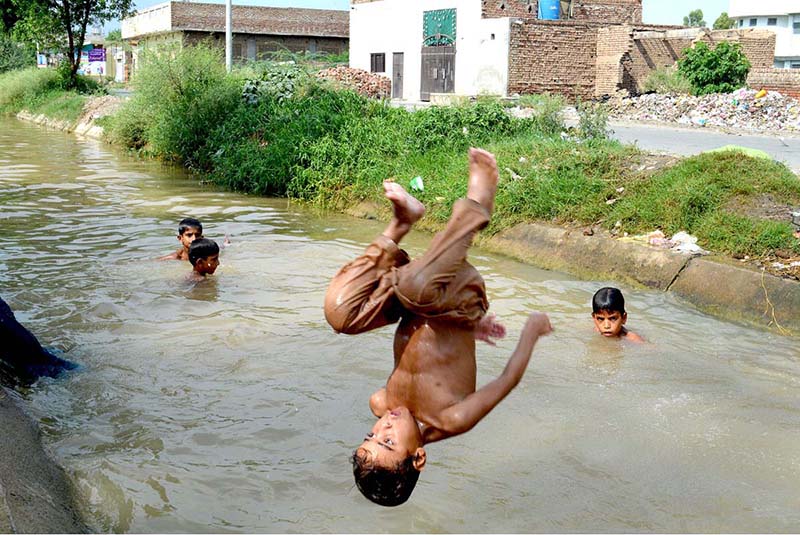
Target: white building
x,y
779,16
392,37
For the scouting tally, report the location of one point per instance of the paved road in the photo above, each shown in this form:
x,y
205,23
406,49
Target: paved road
x,y
689,141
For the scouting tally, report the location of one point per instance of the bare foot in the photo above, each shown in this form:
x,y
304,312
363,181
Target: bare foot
x,y
482,178
407,209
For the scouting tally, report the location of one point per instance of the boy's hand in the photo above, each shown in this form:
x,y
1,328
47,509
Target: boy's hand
x,y
539,324
489,328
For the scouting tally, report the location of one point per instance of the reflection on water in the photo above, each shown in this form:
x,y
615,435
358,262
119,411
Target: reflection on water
x,y
230,406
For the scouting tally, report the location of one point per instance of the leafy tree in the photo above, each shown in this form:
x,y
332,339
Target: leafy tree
x,y
721,70
695,19
63,23
15,55
8,16
724,22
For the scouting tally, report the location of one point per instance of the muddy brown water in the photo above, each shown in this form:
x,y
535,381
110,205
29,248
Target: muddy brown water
x,y
230,406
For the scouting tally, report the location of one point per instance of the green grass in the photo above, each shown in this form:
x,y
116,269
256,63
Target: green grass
x,y
57,104
17,87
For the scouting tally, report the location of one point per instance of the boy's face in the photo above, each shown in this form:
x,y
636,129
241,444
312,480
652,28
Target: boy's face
x,y
208,265
393,439
609,322
188,236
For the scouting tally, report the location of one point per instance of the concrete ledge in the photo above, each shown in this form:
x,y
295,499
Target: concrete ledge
x,y
597,256
736,292
715,285
88,129
36,496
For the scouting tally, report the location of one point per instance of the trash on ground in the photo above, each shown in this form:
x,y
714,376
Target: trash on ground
x,y
681,242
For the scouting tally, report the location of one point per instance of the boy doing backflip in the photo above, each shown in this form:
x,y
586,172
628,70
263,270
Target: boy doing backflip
x,y
440,302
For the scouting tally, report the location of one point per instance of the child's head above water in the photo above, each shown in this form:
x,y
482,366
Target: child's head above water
x,y
387,464
608,312
204,256
189,229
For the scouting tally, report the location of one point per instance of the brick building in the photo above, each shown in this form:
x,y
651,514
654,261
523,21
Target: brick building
x,y
257,31
505,47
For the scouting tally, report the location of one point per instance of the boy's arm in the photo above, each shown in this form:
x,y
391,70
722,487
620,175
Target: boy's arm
x,y
173,256
463,416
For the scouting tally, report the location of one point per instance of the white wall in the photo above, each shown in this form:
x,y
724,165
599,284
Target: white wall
x,y
154,19
787,43
389,26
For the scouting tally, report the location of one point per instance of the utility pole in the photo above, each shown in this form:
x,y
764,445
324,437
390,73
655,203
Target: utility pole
x,y
228,36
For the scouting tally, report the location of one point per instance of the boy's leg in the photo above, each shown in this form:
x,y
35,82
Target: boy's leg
x,y
441,283
361,297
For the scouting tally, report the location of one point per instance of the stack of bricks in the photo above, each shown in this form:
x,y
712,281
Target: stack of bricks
x,y
614,43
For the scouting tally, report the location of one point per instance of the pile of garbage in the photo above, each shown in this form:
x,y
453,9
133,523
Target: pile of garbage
x,y
680,242
365,83
744,109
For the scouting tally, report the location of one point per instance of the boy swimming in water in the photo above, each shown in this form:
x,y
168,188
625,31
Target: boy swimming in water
x,y
440,301
204,257
608,313
189,229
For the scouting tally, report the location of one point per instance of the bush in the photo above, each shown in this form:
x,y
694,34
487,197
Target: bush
x,y
17,87
592,121
180,96
721,70
547,112
14,55
667,81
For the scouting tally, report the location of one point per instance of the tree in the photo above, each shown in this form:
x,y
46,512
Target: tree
x,y
721,70
64,23
724,22
8,16
695,19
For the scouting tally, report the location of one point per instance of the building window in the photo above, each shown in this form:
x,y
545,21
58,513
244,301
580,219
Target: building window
x,y
796,27
753,22
377,62
772,22
795,65
741,23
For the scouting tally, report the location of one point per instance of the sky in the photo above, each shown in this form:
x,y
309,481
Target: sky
x,y
655,11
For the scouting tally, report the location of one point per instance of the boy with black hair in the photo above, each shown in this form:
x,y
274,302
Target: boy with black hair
x,y
608,313
189,230
204,257
440,302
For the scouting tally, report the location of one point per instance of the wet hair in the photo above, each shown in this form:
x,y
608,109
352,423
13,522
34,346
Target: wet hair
x,y
389,487
608,299
202,248
188,223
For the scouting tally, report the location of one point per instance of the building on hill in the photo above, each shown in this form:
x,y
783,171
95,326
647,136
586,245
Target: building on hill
x,y
779,16
257,31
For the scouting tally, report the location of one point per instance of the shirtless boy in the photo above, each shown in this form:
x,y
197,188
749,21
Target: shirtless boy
x,y
189,229
608,313
440,301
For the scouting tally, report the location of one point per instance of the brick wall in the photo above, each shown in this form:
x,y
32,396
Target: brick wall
x,y
265,44
613,44
656,49
784,81
607,11
553,57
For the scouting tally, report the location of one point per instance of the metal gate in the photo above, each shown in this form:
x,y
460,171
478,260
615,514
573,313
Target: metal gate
x,y
438,70
438,52
397,75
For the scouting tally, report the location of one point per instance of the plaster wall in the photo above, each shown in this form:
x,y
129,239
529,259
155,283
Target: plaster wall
x,y
389,26
785,14
154,19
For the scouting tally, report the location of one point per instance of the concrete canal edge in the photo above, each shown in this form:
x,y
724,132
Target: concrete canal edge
x,y
36,495
718,286
88,128
715,285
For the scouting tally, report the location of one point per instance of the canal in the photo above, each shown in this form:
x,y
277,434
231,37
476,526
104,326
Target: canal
x,y
231,406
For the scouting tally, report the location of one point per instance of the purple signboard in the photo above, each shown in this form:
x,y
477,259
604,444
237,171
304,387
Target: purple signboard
x,y
97,54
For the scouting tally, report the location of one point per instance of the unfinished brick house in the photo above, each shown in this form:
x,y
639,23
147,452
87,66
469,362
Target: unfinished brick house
x,y
257,31
577,48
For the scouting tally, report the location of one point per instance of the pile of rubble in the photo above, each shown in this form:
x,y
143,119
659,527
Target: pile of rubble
x,y
365,83
744,109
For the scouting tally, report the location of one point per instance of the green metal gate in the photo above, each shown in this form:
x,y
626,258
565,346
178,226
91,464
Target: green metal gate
x,y
438,52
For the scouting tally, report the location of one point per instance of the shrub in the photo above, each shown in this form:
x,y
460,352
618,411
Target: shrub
x,y
668,81
181,94
721,70
15,55
547,112
592,121
18,86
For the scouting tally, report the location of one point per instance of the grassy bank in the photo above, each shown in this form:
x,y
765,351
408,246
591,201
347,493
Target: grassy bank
x,y
274,129
41,91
